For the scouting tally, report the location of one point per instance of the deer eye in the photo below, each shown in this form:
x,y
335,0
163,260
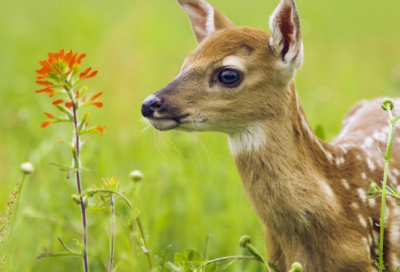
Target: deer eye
x,y
229,77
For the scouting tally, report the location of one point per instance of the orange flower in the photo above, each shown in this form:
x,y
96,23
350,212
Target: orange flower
x,y
50,116
47,90
96,96
45,124
98,104
59,101
100,129
69,104
59,63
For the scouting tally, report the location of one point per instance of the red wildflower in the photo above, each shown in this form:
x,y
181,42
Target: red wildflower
x,y
100,129
59,101
47,90
69,104
50,116
85,75
60,63
45,83
96,96
98,104
45,124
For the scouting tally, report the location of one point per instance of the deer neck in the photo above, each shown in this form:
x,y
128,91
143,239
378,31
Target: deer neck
x,y
283,168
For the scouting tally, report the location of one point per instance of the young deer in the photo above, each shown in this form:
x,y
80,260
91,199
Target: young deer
x,y
310,195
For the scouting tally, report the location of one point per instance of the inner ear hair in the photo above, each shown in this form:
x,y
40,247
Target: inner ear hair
x,y
286,35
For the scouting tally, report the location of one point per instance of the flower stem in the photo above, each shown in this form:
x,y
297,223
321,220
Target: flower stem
x,y
383,205
79,188
231,258
146,251
110,268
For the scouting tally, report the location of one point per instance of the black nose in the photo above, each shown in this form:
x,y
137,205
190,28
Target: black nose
x,y
150,105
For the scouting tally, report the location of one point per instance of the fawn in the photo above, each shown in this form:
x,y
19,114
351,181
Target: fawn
x,y
310,195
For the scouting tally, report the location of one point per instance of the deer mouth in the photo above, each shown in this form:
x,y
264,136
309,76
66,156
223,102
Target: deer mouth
x,y
167,123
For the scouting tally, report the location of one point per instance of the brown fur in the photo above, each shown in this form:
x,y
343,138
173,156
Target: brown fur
x,y
310,195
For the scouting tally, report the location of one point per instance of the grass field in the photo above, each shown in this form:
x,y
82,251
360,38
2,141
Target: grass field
x,y
191,187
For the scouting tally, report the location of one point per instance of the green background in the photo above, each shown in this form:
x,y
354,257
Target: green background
x,y
191,187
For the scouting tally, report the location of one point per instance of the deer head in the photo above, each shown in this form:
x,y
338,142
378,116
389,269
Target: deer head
x,y
235,77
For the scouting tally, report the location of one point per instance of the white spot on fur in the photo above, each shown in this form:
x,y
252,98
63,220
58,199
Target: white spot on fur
x,y
379,162
355,205
327,189
372,202
391,178
364,240
395,260
394,234
362,194
346,184
371,165
329,155
368,142
380,136
363,176
359,157
396,172
247,140
363,223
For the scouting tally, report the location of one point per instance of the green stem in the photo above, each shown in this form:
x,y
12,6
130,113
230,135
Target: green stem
x,y
110,268
253,250
230,258
58,254
383,202
77,164
147,253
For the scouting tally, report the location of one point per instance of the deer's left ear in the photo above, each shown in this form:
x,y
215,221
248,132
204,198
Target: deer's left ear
x,y
204,18
286,37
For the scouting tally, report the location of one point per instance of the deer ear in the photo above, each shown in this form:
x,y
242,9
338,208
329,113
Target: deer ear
x,y
204,18
286,37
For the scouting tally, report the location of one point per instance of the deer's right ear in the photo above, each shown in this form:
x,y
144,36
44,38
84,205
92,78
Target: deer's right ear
x,y
204,18
286,37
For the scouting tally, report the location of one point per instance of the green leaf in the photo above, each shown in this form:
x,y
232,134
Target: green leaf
x,y
180,257
226,265
193,255
173,267
97,208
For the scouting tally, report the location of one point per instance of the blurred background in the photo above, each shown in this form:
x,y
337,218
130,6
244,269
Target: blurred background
x,y
191,186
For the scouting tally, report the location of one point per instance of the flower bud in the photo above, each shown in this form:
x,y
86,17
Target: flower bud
x,y
296,267
244,241
76,199
387,102
136,176
27,168
373,188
